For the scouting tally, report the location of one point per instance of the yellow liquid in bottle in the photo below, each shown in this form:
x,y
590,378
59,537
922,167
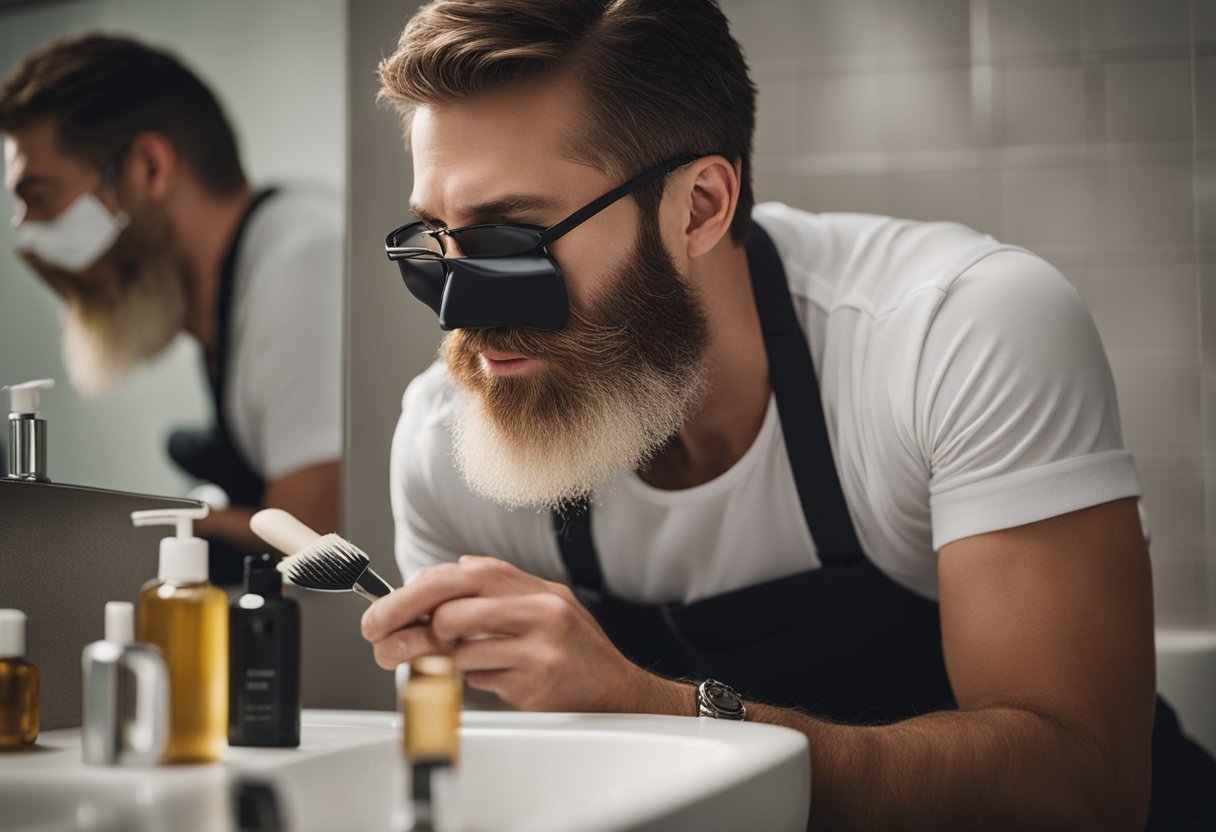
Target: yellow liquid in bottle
x,y
18,703
189,623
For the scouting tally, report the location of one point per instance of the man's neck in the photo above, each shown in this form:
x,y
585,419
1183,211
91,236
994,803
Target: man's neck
x,y
206,225
729,418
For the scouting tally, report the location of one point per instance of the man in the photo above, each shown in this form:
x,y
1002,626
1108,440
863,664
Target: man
x,y
133,207
866,470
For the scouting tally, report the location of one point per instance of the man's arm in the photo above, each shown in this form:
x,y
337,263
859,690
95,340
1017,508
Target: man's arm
x,y
312,494
1048,637
1047,630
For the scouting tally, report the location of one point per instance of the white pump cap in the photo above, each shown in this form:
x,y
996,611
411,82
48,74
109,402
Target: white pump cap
x,y
12,634
24,396
183,559
120,622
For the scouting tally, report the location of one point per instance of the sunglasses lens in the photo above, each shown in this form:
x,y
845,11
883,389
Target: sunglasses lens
x,y
495,240
414,236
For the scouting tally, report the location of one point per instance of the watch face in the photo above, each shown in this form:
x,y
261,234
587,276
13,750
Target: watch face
x,y
722,698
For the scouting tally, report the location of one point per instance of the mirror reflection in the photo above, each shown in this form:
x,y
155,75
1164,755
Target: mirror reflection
x,y
175,255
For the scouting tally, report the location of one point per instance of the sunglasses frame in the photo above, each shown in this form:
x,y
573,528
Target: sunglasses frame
x,y
487,282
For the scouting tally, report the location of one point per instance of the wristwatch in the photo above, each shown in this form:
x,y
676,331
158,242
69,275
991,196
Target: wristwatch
x,y
719,701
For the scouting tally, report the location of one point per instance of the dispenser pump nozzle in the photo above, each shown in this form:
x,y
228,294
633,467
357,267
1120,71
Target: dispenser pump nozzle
x,y
183,558
26,432
24,397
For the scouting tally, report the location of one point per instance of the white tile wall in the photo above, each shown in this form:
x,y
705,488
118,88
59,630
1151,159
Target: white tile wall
x,y
1083,129
1021,28
1148,101
1043,104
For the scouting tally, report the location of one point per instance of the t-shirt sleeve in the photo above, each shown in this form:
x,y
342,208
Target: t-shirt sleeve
x,y
295,347
423,533
1016,402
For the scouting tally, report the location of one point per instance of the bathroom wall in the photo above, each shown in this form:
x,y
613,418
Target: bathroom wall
x,y
1082,129
279,68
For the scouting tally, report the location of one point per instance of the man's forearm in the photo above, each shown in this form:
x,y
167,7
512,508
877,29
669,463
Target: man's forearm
x,y
995,768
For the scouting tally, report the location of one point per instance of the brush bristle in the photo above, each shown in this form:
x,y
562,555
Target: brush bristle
x,y
330,562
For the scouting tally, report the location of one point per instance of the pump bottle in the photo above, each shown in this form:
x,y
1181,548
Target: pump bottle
x,y
264,648
18,684
187,618
26,432
126,695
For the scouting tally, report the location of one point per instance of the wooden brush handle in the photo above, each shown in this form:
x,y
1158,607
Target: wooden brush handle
x,y
282,530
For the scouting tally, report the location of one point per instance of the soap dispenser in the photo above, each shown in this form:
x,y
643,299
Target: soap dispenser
x,y
187,618
264,648
18,684
126,695
26,432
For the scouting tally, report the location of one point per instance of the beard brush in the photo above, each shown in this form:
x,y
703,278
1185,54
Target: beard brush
x,y
324,563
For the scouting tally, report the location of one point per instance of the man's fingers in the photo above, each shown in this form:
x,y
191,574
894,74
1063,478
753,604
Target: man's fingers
x,y
408,604
463,618
472,575
404,645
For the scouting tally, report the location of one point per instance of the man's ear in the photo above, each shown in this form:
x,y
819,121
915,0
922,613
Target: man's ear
x,y
713,194
151,165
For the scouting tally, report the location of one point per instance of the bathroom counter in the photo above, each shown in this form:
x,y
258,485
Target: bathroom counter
x,y
559,772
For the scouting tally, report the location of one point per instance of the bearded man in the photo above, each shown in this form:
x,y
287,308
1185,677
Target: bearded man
x,y
857,476
132,205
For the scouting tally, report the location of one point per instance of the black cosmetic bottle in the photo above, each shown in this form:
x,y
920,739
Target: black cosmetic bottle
x,y
264,651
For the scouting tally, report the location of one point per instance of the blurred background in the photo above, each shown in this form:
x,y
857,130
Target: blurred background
x,y
1082,129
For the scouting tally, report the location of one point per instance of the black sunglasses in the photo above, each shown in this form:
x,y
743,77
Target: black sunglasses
x,y
505,276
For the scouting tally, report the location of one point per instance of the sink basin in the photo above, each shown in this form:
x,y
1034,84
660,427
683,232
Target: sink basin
x,y
518,771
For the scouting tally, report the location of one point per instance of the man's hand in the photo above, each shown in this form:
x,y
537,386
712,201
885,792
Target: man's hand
x,y
527,640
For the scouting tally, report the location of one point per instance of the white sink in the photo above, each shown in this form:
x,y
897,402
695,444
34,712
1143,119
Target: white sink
x,y
535,772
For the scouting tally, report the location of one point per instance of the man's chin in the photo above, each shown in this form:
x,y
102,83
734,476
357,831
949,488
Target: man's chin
x,y
99,352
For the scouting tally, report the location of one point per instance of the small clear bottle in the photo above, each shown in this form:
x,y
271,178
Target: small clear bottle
x,y
186,616
126,695
18,684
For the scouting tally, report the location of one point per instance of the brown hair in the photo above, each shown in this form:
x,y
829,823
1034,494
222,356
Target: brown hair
x,y
102,90
661,77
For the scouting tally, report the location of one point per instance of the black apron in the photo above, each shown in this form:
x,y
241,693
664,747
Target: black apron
x,y
211,454
844,641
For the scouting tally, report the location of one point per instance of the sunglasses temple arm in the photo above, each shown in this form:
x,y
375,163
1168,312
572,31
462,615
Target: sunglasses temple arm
x,y
592,208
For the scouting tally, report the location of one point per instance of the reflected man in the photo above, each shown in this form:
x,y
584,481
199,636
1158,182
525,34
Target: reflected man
x,y
133,206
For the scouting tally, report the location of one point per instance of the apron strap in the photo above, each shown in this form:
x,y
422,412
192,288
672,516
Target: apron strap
x,y
800,407
224,304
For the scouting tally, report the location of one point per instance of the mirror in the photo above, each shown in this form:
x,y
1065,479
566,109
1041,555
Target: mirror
x,y
280,75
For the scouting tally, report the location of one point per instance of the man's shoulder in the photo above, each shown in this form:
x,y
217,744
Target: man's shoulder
x,y
869,262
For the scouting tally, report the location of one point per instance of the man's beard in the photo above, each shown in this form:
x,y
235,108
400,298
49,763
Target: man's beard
x,y
613,387
126,312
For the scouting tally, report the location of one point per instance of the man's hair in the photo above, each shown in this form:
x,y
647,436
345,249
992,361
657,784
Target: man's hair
x,y
100,91
661,78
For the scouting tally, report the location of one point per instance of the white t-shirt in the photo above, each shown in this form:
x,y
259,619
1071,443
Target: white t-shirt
x,y
283,392
965,390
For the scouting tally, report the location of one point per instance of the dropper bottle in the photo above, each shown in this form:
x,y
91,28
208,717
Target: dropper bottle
x,y
431,708
18,684
186,616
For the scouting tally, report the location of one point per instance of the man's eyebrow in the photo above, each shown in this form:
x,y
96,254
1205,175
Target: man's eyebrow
x,y
501,208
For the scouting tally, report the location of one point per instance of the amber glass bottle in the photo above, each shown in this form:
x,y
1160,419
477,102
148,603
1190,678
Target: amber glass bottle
x,y
18,684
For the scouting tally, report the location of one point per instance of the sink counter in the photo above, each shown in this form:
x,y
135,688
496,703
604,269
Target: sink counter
x,y
539,772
